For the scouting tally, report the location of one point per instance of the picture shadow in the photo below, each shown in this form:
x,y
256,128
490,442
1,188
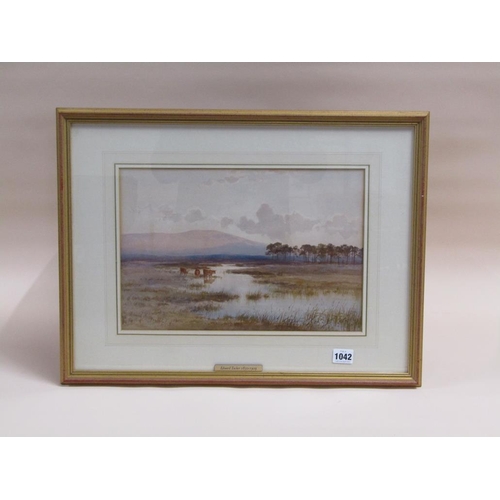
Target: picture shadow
x,y
29,341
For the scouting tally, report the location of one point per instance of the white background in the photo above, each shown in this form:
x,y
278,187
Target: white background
x,y
461,363
460,393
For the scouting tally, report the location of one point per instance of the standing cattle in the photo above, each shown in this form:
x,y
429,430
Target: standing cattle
x,y
197,271
183,270
208,272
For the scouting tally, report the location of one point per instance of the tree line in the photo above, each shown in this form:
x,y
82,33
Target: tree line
x,y
340,254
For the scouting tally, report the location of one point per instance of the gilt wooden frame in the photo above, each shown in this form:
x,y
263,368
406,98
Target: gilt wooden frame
x,y
227,373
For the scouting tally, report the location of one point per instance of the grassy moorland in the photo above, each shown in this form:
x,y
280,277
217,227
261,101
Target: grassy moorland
x,y
306,279
156,296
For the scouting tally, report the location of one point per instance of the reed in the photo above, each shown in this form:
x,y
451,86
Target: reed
x,y
348,320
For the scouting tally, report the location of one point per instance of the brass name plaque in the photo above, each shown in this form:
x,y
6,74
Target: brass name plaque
x,y
238,368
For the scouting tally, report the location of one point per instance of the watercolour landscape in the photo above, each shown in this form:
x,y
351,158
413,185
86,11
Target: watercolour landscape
x,y
241,249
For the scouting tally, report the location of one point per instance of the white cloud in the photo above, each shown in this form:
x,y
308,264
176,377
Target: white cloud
x,y
167,213
225,222
194,215
274,225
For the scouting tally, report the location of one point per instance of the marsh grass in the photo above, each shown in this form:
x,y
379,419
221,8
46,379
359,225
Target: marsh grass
x,y
257,296
206,307
157,297
314,320
307,279
215,296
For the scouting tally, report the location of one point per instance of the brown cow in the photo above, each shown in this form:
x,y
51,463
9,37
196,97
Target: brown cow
x,y
197,271
208,272
183,270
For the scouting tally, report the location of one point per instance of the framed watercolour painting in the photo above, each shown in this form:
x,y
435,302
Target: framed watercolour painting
x,y
242,248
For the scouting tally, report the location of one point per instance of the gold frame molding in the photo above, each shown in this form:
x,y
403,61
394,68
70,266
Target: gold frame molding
x,y
418,120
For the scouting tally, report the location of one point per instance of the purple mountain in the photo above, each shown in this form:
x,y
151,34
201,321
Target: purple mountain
x,y
188,243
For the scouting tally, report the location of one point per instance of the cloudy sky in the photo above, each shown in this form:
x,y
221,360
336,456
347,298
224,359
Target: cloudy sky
x,y
294,206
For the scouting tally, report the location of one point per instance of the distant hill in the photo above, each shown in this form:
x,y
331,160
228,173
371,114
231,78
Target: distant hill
x,y
188,243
